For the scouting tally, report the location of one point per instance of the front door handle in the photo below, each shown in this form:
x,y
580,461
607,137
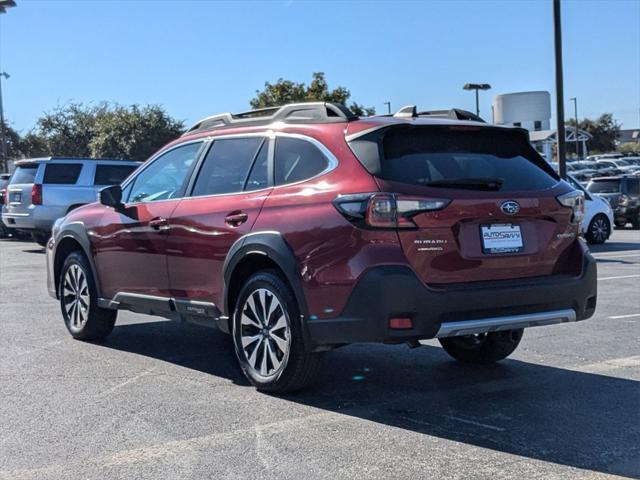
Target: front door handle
x,y
159,224
235,219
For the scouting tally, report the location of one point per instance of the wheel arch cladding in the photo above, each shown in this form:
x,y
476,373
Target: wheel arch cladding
x,y
74,238
259,251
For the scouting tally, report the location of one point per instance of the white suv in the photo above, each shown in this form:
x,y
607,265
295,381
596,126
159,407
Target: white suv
x,y
598,215
42,190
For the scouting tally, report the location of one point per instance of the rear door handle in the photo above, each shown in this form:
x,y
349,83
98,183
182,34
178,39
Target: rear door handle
x,y
159,224
236,219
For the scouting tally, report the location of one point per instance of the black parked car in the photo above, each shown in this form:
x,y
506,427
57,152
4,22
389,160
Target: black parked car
x,y
623,193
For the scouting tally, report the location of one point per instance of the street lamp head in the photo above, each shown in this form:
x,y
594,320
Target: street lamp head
x,y
476,86
5,75
4,4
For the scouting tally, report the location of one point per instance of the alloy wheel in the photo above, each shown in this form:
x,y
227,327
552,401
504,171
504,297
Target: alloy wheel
x,y
75,295
265,333
599,229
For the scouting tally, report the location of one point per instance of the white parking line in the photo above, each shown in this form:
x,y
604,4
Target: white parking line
x,y
616,278
615,255
616,317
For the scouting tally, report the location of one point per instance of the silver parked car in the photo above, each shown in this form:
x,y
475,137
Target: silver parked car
x,y
42,190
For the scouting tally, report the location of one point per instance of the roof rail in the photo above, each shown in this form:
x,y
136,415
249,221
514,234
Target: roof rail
x,y
304,112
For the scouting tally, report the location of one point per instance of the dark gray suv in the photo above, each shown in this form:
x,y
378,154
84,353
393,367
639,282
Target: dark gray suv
x,y
623,193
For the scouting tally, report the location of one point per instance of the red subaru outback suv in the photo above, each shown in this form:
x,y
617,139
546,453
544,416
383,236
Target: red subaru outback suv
x,y
304,228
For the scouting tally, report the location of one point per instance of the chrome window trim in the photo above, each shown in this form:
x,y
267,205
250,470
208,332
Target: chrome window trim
x,y
332,161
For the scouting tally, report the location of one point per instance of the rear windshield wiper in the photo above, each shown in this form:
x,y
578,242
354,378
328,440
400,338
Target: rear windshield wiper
x,y
485,183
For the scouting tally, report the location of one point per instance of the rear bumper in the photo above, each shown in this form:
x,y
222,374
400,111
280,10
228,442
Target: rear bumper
x,y
37,217
395,291
626,213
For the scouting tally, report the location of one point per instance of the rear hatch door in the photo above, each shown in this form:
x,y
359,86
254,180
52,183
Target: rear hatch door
x,y
503,220
19,190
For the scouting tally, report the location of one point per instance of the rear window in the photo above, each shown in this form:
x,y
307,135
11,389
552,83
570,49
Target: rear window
x,y
604,186
432,155
24,174
62,173
112,174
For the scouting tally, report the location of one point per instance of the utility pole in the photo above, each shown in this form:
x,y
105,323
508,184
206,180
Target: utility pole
x,y
5,160
557,35
575,109
4,5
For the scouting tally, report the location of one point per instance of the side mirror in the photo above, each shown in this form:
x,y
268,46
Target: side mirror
x,y
111,196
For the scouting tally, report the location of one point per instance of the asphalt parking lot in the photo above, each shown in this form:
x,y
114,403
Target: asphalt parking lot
x,y
165,400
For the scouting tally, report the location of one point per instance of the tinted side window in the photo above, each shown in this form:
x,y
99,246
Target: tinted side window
x,y
297,160
604,186
165,178
633,185
259,176
226,166
112,174
62,173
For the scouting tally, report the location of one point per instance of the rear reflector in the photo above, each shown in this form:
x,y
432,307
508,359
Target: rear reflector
x,y
400,323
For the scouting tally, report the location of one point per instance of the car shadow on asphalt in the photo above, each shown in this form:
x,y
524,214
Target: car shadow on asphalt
x,y
613,246
584,420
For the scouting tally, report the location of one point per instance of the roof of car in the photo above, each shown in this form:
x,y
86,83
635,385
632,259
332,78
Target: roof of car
x,y
307,113
28,161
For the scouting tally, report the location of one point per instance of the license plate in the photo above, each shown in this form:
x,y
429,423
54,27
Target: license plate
x,y
501,238
15,197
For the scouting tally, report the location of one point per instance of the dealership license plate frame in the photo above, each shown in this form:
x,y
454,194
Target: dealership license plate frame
x,y
501,246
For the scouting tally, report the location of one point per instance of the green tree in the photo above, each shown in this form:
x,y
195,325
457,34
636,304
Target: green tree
x,y
285,91
103,130
604,129
68,130
13,142
133,132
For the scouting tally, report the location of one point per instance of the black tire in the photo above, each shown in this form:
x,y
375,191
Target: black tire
x,y
620,224
483,348
41,238
635,223
599,229
93,323
297,367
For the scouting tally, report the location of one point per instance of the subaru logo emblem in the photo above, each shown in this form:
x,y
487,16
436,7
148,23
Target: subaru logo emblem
x,y
510,207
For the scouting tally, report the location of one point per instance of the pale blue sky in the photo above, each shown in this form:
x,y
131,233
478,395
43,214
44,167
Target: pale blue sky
x,y
202,57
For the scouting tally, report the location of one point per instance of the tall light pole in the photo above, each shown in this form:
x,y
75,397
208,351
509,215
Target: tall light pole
x,y
5,160
388,104
4,4
575,109
476,87
557,35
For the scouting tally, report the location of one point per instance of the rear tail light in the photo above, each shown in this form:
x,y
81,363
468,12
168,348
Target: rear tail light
x,y
623,200
575,201
402,323
36,194
386,210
